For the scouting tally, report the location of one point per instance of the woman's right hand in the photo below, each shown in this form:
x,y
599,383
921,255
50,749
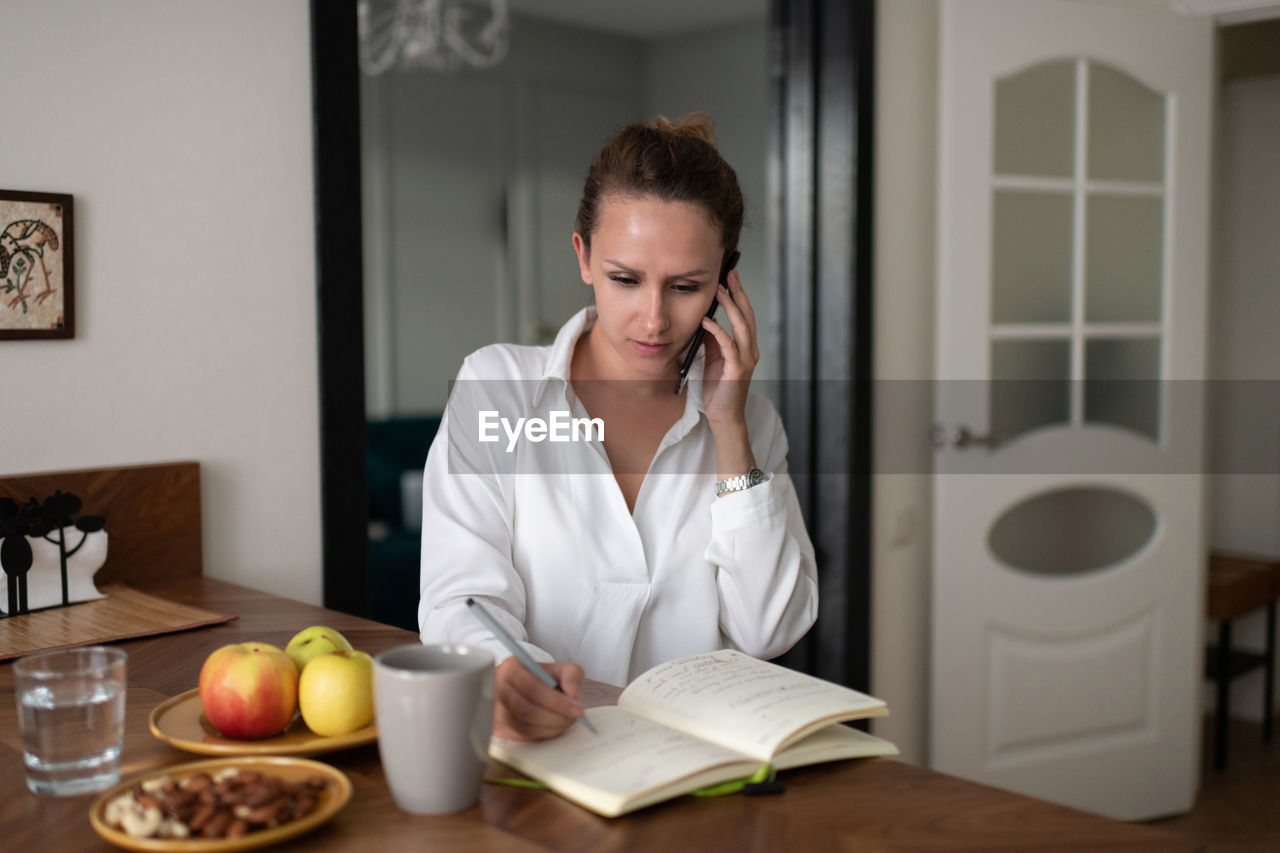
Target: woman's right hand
x,y
526,709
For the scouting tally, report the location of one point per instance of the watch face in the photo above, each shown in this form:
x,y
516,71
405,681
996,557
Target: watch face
x,y
755,477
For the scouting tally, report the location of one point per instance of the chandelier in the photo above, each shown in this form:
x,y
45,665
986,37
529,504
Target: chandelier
x,y
441,35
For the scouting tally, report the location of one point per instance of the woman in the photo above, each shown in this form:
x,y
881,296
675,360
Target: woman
x,y
663,539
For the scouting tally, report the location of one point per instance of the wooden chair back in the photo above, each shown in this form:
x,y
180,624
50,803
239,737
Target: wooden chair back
x,y
152,515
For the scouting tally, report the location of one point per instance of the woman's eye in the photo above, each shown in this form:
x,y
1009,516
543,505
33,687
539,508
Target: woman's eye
x,y
623,279
687,288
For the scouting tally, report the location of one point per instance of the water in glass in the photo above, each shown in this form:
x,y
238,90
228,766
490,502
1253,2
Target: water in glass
x,y
71,736
72,725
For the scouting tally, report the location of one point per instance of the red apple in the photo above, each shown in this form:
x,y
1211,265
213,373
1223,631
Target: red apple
x,y
249,690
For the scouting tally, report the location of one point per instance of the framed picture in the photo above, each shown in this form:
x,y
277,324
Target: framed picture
x,y
37,265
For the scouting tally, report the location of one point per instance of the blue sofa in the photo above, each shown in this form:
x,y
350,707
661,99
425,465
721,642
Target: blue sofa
x,y
395,447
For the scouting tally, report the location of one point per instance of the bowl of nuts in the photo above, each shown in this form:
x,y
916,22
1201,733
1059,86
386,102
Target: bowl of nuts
x,y
220,805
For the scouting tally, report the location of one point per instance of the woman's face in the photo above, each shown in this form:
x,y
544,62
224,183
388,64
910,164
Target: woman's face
x,y
653,267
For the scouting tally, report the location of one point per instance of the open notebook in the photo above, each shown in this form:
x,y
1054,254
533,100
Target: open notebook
x,y
693,722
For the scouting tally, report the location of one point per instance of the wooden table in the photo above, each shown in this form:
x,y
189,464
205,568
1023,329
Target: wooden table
x,y
1239,584
873,804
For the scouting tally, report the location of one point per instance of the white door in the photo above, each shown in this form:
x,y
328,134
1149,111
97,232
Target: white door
x,y
1068,532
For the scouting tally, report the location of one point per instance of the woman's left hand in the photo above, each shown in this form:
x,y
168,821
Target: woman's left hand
x,y
730,360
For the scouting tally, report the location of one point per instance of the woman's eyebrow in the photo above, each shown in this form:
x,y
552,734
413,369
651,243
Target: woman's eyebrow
x,y
621,267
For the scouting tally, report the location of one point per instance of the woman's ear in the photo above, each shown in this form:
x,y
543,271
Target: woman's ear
x,y
583,251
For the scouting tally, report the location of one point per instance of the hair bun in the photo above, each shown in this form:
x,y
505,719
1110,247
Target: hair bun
x,y
695,125
667,162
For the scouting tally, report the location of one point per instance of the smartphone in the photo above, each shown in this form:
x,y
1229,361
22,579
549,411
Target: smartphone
x,y
728,263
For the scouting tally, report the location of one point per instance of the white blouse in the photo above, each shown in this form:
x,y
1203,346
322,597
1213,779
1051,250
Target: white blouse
x,y
539,531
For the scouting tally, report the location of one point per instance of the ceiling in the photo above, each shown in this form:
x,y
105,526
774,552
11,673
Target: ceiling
x,y
648,19
644,18
1224,11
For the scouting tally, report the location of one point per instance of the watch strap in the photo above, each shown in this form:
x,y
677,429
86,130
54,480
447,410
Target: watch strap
x,y
742,482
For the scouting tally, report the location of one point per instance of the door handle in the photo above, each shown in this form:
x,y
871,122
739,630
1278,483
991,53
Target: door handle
x,y
963,437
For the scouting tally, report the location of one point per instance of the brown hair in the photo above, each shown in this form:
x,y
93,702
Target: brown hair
x,y
670,162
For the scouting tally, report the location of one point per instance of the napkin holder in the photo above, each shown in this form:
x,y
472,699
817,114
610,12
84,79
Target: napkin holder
x,y
48,557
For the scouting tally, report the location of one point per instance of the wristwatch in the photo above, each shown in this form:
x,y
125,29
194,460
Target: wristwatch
x,y
754,477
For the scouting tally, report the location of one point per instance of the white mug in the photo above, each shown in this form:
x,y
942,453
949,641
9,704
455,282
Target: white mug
x,y
434,707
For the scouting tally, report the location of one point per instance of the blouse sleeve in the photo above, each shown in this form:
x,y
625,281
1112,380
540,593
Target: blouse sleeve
x,y
466,544
766,573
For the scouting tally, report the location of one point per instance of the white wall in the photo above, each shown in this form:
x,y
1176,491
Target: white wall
x,y
905,154
446,155
183,130
471,184
725,72
1244,508
1244,315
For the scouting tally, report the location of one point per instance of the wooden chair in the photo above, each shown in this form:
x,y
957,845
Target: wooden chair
x,y
1238,585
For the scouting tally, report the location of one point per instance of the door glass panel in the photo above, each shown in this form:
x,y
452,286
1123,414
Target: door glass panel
x,y
1035,121
1031,257
1122,384
1124,259
1031,386
1125,128
1071,531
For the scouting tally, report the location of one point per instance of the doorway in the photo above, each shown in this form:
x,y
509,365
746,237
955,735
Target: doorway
x,y
817,254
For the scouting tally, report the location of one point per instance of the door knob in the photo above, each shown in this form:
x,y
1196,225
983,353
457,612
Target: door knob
x,y
963,437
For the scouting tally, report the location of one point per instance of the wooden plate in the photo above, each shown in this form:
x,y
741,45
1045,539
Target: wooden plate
x,y
292,769
180,722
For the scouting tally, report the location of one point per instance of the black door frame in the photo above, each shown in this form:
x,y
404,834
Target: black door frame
x,y
821,153
821,225
344,488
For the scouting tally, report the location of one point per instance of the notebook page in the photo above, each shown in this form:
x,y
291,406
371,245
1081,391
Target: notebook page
x,y
742,703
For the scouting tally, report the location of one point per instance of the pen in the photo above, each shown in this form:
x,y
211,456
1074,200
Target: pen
x,y
521,655
730,261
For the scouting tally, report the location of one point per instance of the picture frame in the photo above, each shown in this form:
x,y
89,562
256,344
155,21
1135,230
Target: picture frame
x,y
37,265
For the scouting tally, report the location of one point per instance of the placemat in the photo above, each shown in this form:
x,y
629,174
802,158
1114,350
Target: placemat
x,y
124,614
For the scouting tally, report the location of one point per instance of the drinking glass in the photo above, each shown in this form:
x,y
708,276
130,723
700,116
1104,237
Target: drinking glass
x,y
71,715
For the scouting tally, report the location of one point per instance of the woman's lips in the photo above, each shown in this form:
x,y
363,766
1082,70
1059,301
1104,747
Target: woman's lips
x,y
645,348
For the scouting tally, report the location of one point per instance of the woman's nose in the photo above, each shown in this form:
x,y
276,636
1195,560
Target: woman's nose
x,y
656,316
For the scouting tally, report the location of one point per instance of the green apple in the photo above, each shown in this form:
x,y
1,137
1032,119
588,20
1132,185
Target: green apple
x,y
312,642
335,692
